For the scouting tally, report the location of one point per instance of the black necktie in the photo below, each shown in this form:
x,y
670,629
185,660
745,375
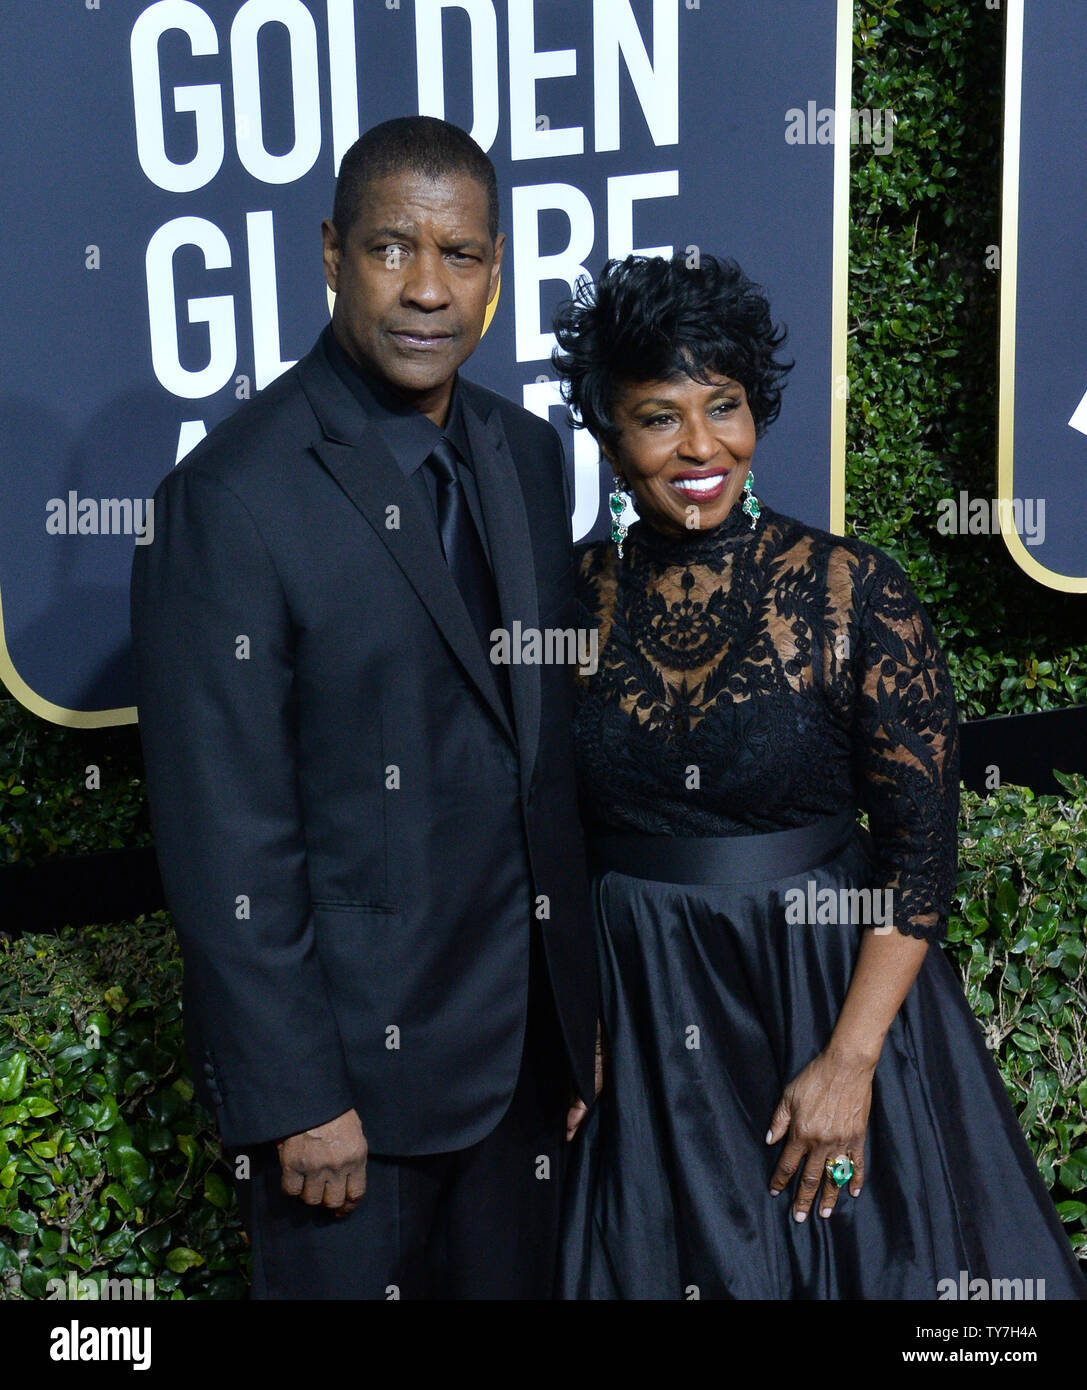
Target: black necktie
x,y
464,551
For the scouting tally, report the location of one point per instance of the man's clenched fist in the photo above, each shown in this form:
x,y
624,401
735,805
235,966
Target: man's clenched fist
x,y
326,1166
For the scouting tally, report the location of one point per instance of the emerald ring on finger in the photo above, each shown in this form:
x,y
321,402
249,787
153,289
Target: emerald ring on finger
x,y
840,1169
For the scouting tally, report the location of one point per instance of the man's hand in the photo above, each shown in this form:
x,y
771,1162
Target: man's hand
x,y
326,1166
578,1110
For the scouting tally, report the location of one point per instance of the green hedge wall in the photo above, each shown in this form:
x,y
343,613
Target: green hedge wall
x,y
107,1167
923,312
47,808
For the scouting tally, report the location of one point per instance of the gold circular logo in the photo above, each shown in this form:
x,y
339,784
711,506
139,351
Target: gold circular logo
x,y
492,306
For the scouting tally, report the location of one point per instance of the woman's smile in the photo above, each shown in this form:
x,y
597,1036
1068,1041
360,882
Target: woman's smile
x,y
701,487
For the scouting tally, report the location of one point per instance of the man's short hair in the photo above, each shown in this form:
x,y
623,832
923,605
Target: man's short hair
x,y
419,144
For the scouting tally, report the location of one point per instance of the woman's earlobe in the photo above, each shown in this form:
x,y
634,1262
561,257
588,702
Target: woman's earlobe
x,y
609,459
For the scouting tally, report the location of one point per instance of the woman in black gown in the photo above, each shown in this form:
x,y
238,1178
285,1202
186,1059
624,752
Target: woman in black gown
x,y
776,1003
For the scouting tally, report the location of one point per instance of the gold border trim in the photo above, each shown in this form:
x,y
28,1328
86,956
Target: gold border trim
x,y
839,283
45,709
1009,267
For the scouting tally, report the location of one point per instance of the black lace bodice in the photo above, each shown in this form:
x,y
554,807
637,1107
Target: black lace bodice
x,y
754,680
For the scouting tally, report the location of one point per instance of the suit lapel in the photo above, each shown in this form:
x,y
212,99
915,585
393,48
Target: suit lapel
x,y
510,541
357,457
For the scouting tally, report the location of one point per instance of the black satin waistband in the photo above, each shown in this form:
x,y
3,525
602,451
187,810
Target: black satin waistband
x,y
723,860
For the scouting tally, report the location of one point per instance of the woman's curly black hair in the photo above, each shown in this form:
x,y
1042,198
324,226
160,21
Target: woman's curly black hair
x,y
648,318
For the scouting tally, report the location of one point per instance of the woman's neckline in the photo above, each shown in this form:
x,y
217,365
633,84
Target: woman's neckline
x,y
698,546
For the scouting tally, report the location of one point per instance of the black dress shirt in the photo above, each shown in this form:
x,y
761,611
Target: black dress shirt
x,y
410,435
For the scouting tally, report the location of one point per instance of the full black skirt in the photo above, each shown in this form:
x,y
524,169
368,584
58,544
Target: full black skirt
x,y
712,1004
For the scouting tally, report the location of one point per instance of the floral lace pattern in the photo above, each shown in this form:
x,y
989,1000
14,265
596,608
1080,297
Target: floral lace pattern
x,y
756,680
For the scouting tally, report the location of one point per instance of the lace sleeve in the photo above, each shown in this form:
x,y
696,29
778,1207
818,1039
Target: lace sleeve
x,y
906,749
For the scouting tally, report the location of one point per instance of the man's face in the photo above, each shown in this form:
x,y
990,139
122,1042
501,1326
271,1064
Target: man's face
x,y
413,280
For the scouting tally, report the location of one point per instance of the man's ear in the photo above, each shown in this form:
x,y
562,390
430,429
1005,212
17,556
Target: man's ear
x,y
331,254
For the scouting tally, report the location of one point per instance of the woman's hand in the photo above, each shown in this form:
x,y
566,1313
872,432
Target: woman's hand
x,y
578,1109
824,1111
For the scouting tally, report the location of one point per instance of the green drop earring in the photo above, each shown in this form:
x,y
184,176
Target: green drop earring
x,y
751,502
618,503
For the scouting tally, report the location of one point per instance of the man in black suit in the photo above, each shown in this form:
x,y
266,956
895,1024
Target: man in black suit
x,y
366,828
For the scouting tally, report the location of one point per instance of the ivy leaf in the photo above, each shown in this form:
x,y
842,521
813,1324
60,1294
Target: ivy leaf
x,y
116,1245
124,1160
34,1281
182,1258
13,1076
104,1114
1007,902
23,1223
116,998
114,1192
216,1191
1074,1170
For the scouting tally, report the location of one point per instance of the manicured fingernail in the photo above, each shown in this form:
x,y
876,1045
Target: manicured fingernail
x,y
854,1192
800,1215
826,1211
774,1191
769,1136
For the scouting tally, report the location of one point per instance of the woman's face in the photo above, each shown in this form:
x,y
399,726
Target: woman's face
x,y
684,450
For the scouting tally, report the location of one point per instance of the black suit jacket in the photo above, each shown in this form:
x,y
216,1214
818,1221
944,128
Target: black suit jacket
x,y
354,841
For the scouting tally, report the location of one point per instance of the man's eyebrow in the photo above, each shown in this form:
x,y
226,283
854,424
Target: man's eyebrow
x,y
395,233
407,234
